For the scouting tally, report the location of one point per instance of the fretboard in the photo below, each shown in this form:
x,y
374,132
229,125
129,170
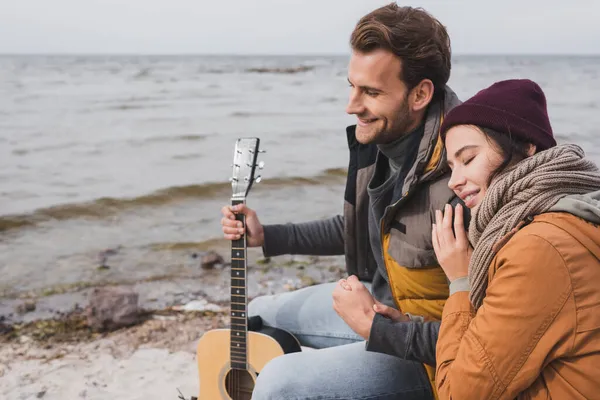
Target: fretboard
x,y
239,299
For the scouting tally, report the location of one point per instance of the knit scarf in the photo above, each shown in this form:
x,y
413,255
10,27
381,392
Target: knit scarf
x,y
529,188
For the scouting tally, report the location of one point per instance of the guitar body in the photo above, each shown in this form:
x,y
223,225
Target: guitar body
x,y
214,365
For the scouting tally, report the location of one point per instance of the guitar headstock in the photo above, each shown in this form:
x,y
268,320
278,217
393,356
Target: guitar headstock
x,y
245,164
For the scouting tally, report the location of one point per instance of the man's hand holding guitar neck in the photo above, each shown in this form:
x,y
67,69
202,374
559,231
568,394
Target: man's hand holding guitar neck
x,y
233,229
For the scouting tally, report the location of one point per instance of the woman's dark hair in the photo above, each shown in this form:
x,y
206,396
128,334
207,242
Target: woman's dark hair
x,y
511,149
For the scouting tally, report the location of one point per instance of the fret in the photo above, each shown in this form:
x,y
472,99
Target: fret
x,y
238,282
238,299
237,262
239,243
238,365
238,327
238,349
238,307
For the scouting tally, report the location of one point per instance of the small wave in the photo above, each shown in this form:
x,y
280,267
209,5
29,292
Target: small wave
x,y
108,206
336,172
162,139
188,246
190,156
279,70
27,98
216,71
63,146
142,73
129,99
240,114
125,107
246,114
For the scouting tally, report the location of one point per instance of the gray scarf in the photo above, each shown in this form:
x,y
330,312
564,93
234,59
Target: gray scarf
x,y
529,188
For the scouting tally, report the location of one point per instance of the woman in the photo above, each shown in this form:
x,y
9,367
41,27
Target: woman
x,y
523,317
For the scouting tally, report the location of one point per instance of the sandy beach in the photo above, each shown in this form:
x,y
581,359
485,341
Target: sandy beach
x,y
150,361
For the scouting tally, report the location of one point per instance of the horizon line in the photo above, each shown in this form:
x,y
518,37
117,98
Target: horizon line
x,y
321,54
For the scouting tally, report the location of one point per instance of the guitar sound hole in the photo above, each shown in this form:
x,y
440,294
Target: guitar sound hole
x,y
239,384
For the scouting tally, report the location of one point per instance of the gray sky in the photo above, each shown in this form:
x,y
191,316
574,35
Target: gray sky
x,y
284,26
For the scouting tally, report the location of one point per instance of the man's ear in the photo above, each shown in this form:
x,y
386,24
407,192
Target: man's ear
x,y
420,96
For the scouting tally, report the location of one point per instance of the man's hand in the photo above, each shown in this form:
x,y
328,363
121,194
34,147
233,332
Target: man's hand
x,y
233,229
354,304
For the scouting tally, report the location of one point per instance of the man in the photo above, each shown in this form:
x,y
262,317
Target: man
x,y
397,178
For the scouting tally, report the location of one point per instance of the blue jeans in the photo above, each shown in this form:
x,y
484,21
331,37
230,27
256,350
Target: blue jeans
x,y
341,368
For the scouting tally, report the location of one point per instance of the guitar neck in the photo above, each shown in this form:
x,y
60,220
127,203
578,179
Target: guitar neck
x,y
239,298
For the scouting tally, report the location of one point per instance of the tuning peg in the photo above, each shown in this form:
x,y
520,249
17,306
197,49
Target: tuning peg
x,y
232,179
258,179
262,151
260,165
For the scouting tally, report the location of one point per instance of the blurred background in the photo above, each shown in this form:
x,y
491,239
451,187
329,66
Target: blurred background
x,y
118,119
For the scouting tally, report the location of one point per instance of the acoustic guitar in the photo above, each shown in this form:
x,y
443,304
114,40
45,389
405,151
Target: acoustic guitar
x,y
230,360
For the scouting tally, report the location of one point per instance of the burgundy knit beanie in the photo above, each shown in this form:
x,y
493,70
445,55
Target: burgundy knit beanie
x,y
516,106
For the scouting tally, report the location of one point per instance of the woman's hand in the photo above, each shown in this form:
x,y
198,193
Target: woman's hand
x,y
452,252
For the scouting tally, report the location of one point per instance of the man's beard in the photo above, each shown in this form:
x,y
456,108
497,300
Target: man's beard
x,y
399,127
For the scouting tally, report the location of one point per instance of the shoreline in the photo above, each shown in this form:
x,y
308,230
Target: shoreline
x,y
51,353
